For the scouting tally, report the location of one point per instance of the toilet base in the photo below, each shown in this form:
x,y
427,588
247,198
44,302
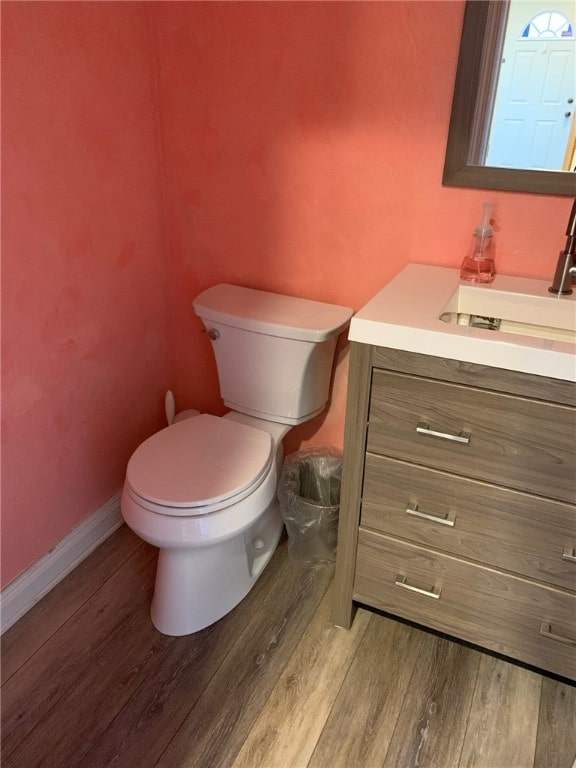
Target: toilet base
x,y
196,587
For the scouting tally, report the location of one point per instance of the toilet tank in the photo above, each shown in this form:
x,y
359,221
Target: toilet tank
x,y
274,353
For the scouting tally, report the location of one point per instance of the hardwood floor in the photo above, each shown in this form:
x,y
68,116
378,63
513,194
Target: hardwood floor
x,y
88,682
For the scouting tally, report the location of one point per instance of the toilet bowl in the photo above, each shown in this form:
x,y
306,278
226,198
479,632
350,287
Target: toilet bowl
x,y
203,490
208,484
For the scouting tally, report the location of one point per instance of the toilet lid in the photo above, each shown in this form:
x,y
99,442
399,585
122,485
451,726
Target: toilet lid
x,y
199,462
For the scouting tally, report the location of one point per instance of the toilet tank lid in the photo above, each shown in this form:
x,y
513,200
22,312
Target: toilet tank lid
x,y
272,313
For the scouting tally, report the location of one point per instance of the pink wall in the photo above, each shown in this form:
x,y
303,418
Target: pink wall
x,y
304,145
302,151
85,320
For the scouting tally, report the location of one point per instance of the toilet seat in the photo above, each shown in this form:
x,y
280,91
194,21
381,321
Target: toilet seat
x,y
199,465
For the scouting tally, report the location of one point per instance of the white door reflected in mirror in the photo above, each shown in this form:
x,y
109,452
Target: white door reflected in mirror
x,y
533,124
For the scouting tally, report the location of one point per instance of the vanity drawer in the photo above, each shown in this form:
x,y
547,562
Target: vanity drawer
x,y
513,441
504,613
528,535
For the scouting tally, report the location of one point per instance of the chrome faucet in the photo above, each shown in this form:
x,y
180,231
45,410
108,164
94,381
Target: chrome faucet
x,y
566,266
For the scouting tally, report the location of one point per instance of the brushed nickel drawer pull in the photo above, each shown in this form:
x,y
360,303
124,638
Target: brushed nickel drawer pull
x,y
424,429
401,582
412,509
569,554
546,630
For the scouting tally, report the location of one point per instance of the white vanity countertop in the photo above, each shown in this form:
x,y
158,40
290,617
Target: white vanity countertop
x,y
405,314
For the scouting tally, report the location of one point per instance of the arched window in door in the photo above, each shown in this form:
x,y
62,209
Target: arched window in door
x,y
551,25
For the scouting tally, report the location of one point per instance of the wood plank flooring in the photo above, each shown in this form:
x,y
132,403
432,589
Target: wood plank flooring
x,y
88,682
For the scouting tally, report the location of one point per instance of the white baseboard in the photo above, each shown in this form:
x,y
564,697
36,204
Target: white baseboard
x,y
28,588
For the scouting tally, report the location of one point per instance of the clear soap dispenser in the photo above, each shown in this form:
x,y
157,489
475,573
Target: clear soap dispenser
x,y
478,264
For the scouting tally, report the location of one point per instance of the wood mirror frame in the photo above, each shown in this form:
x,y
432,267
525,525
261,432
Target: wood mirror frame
x,y
471,105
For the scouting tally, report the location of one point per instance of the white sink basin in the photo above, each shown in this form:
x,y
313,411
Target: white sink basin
x,y
544,317
428,309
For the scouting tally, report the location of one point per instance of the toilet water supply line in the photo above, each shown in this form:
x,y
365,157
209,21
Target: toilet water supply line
x,y
170,407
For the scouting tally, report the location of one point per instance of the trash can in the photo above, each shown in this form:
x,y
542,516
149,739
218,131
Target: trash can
x,y
309,495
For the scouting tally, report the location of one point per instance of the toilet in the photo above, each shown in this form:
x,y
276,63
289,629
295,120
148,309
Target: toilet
x,y
203,490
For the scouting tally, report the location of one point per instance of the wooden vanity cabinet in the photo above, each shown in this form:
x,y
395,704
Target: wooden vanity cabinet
x,y
458,505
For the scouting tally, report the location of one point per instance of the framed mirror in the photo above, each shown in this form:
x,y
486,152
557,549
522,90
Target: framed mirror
x,y
473,108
